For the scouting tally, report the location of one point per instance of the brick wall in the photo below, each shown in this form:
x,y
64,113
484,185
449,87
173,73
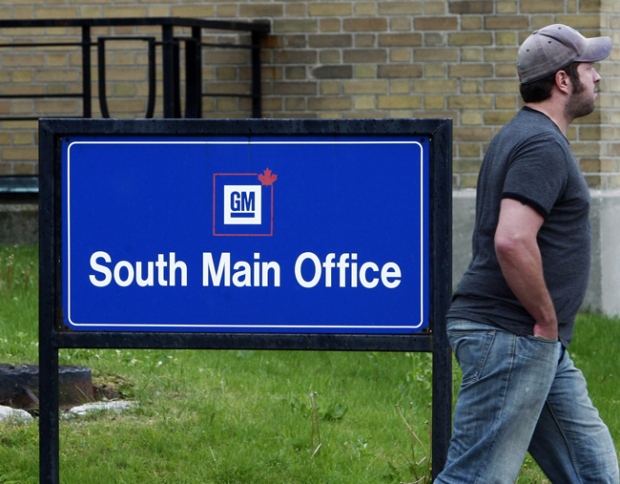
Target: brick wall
x,y
329,59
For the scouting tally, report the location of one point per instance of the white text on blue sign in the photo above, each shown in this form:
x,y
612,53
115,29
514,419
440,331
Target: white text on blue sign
x,y
334,270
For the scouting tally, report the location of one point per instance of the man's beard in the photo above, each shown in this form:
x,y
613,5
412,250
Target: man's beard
x,y
579,104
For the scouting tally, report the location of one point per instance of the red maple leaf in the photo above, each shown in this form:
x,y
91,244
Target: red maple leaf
x,y
267,178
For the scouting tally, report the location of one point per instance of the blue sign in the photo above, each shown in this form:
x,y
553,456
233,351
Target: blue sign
x,y
321,234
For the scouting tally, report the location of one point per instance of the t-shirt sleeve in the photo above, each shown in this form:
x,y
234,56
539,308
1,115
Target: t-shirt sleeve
x,y
537,175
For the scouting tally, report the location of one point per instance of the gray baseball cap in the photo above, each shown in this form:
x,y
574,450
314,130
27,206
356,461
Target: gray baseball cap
x,y
549,49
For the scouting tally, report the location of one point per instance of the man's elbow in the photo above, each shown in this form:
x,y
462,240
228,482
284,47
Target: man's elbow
x,y
509,246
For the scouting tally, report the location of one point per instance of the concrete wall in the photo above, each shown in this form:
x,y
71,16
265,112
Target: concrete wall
x,y
604,293
19,223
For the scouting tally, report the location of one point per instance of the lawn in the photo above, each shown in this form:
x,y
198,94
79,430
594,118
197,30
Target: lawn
x,y
251,416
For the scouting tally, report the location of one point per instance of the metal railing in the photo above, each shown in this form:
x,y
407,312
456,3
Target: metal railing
x,y
169,43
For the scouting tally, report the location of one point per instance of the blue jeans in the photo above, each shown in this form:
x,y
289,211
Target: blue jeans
x,y
522,393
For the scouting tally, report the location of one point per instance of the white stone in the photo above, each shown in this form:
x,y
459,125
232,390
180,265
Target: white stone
x,y
8,414
118,406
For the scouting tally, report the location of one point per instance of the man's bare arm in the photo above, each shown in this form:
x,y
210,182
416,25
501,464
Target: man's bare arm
x,y
519,257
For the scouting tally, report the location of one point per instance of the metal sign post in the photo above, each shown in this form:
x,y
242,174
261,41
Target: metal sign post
x,y
175,234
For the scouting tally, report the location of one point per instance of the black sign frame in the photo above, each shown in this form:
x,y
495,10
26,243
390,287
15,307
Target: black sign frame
x,y
54,336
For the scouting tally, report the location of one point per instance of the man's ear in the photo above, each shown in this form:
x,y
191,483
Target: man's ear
x,y
562,81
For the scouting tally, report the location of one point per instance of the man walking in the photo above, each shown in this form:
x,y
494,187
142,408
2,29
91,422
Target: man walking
x,y
512,315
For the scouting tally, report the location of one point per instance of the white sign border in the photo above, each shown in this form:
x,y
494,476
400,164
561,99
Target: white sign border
x,y
177,327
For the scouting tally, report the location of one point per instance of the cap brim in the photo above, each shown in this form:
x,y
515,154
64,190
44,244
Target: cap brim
x,y
597,49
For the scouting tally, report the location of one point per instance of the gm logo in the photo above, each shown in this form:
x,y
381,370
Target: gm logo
x,y
243,203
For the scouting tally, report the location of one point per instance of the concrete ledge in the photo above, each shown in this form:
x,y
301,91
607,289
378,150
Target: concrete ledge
x,y
604,290
19,223
463,219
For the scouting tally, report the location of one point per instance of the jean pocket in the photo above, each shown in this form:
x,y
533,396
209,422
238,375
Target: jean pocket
x,y
540,339
539,349
471,349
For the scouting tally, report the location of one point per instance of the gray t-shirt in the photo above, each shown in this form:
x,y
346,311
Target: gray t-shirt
x,y
529,160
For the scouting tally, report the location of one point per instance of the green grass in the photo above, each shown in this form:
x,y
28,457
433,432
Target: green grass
x,y
19,311
251,416
595,351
